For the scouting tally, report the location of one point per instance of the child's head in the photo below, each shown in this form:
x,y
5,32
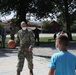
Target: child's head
x,y
62,42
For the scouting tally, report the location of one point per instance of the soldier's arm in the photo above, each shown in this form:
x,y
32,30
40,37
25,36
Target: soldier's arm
x,y
51,71
17,40
32,39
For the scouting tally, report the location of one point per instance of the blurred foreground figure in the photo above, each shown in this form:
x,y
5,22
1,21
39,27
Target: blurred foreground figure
x,y
63,62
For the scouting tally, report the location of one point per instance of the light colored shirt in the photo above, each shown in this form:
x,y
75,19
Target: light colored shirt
x,y
64,63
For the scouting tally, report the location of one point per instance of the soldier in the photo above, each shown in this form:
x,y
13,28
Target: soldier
x,y
37,32
3,34
26,40
12,33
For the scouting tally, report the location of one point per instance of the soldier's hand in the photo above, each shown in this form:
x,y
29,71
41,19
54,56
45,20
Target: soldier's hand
x,y
30,49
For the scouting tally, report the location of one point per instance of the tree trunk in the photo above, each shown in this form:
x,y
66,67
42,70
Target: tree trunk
x,y
21,13
22,16
67,20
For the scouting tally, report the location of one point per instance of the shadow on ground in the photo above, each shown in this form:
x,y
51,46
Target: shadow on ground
x,y
5,51
43,56
71,46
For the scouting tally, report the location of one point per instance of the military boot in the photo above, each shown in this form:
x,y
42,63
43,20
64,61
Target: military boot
x,y
18,73
31,72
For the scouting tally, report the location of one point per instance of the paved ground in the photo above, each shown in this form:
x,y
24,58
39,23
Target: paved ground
x,y
8,63
41,54
8,66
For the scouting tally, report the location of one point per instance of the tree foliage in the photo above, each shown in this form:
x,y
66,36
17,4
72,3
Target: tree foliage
x,y
21,7
41,8
46,26
44,7
66,8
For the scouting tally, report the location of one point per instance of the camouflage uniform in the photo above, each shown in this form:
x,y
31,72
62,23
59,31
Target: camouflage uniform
x,y
25,39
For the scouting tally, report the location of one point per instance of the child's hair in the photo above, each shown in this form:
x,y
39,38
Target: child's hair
x,y
64,39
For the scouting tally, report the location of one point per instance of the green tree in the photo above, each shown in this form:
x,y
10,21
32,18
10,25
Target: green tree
x,y
21,7
46,26
41,9
57,7
68,9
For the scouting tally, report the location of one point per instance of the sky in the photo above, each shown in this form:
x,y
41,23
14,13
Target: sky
x,y
32,19
5,18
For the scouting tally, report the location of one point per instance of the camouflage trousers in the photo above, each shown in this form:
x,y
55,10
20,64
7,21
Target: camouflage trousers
x,y
21,58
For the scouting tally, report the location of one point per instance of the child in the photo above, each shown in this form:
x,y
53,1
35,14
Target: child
x,y
63,62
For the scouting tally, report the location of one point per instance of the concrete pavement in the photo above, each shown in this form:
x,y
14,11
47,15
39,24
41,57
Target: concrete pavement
x,y
41,55
8,63
8,66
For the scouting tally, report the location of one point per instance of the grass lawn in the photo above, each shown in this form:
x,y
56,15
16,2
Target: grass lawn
x,y
45,39
74,38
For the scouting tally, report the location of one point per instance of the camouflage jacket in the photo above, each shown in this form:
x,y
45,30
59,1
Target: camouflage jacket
x,y
25,38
